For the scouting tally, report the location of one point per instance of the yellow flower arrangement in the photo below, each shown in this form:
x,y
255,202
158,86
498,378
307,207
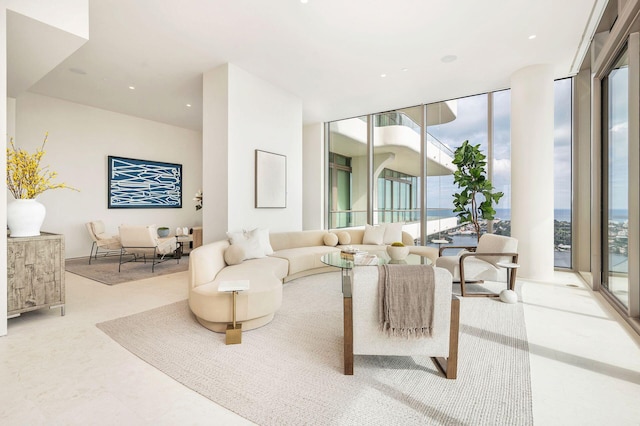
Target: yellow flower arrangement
x,y
25,178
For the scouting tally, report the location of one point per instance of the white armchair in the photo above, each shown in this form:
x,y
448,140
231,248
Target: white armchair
x,y
143,242
369,339
476,264
102,242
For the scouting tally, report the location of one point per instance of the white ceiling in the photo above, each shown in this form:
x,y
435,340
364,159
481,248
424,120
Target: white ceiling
x,y
329,53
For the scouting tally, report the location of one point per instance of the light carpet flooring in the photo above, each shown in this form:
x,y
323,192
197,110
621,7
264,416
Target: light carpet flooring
x,y
585,363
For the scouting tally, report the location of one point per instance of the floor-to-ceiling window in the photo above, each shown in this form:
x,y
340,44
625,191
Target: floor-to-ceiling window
x,y
397,168
562,172
468,121
398,145
347,192
501,163
615,218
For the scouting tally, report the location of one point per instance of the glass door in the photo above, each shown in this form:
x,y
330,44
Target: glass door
x,y
615,218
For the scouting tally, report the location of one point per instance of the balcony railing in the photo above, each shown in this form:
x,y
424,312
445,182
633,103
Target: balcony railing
x,y
401,119
350,218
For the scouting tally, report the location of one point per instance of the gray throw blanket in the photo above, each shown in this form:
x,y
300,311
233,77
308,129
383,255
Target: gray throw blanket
x,y
406,299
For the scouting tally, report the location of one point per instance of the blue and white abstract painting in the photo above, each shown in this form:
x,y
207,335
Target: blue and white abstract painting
x,y
144,184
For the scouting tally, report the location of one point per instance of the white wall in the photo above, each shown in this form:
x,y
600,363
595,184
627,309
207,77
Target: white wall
x,y
3,166
259,116
215,136
314,192
80,139
264,117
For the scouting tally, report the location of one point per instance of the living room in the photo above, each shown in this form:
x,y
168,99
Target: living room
x,y
82,135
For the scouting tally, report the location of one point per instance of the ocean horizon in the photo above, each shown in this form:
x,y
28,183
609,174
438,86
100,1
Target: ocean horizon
x,y
562,215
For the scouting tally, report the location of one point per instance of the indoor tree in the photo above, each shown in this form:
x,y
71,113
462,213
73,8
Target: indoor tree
x,y
472,180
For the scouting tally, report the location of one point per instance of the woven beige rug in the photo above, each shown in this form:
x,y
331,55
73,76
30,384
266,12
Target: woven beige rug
x,y
289,372
105,269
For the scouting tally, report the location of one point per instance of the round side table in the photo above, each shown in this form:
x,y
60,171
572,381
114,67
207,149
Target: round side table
x,y
509,266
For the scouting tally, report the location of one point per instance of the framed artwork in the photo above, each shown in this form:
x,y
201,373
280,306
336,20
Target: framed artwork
x,y
271,180
137,184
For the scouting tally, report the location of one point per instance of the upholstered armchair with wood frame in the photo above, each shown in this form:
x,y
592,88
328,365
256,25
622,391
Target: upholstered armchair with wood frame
x,y
142,242
477,264
369,339
103,243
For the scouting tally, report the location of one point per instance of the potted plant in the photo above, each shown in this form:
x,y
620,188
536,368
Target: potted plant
x,y
26,179
397,251
472,180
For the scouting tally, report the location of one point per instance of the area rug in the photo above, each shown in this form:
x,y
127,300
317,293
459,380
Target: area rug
x,y
105,269
290,371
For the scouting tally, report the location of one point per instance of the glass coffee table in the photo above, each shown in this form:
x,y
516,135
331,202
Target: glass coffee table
x,y
346,266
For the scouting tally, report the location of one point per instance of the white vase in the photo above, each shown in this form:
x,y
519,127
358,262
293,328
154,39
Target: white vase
x,y
397,253
25,217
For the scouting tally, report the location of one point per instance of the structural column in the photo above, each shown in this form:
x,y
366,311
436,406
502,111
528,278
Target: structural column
x,y
532,162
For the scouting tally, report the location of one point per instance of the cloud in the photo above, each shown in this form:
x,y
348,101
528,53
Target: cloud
x,y
501,168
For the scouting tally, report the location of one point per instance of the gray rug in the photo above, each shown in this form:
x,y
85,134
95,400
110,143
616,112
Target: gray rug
x,y
289,372
105,269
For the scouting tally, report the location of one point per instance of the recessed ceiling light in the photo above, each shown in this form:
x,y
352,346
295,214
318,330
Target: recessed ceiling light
x,y
405,69
78,71
132,87
304,1
383,75
188,105
532,36
448,58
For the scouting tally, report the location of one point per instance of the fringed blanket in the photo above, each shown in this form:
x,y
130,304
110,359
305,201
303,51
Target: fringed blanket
x,y
406,299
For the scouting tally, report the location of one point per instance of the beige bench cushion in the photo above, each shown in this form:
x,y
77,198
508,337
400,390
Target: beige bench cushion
x,y
304,258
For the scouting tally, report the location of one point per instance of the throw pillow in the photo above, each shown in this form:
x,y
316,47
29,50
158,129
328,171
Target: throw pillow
x,y
263,239
236,237
373,235
330,239
234,255
344,238
250,243
393,233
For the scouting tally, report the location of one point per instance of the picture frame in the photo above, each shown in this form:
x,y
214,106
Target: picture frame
x,y
136,184
270,180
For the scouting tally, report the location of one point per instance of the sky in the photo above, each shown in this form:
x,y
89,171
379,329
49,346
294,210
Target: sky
x,y
618,138
471,124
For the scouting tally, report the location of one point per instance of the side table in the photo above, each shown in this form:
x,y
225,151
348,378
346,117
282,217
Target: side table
x,y
234,330
440,242
511,273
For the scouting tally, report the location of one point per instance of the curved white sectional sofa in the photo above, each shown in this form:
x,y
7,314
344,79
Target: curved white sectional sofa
x,y
296,254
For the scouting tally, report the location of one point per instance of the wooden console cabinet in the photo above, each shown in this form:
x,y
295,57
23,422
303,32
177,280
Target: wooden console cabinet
x,y
197,236
35,273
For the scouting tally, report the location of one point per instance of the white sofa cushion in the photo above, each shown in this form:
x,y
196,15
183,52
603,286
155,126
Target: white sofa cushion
x,y
373,234
250,242
392,233
262,235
